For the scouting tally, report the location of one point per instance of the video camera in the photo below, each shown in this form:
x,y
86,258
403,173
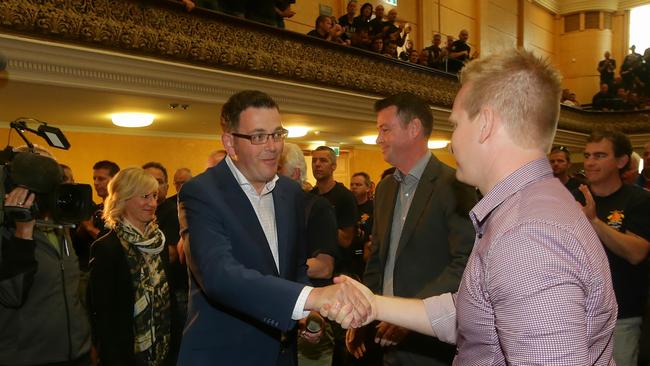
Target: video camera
x,y
66,203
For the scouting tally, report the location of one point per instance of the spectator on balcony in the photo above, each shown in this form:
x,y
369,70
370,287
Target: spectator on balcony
x,y
377,23
404,55
283,10
424,58
436,53
414,56
631,63
361,39
601,100
390,49
571,101
338,33
377,44
323,28
363,19
606,68
347,20
616,84
460,52
392,30
644,73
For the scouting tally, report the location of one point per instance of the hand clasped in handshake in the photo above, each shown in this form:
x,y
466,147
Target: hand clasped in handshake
x,y
347,302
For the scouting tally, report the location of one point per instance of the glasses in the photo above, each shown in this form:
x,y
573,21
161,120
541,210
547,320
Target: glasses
x,y
262,138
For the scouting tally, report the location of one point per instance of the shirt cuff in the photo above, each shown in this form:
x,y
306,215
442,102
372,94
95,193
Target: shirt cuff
x,y
299,310
441,311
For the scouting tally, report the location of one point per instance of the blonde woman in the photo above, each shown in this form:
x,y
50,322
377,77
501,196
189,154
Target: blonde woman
x,y
129,292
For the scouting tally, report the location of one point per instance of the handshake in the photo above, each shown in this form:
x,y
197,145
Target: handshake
x,y
347,302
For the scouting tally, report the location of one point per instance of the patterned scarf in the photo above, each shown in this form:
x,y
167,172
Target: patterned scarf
x,y
151,313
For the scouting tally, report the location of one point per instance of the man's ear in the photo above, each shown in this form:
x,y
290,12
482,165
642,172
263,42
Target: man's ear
x,y
487,119
228,142
414,127
621,161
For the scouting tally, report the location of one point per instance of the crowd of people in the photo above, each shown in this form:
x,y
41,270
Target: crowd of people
x,y
244,257
630,89
365,28
373,31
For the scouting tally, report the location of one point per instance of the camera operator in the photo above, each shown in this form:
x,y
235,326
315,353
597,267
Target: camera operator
x,y
42,321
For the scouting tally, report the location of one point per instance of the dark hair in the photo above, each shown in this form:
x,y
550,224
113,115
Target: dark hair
x,y
108,165
620,142
239,102
365,176
563,149
365,6
156,165
320,19
387,172
409,106
331,152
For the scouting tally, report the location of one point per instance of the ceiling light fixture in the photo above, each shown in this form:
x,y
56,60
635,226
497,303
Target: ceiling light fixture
x,y
369,140
437,144
297,131
132,119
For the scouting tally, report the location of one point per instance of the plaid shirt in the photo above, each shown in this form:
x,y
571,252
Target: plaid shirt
x,y
537,289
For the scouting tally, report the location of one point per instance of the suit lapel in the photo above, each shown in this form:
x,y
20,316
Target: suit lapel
x,y
242,209
388,206
281,222
420,201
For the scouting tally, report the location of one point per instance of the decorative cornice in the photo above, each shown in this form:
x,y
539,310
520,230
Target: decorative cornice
x,y
573,6
633,122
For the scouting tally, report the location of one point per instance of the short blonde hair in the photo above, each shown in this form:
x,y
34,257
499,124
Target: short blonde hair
x,y
523,88
126,184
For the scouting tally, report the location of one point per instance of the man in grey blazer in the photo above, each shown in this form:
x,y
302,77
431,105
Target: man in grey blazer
x,y
422,235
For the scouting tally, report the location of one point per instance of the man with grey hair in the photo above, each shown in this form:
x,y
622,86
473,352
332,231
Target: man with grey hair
x,y
322,251
631,175
537,288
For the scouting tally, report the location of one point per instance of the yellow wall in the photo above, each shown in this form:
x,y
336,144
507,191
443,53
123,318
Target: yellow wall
x,y
539,30
126,150
498,25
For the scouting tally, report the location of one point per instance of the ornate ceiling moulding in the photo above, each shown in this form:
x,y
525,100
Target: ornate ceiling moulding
x,y
635,122
163,29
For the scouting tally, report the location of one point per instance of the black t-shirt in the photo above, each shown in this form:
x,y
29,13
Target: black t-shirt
x,y
322,233
314,33
353,256
460,46
626,209
167,216
573,183
344,203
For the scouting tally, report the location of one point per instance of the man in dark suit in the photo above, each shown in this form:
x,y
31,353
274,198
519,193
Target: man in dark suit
x,y
246,248
422,235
